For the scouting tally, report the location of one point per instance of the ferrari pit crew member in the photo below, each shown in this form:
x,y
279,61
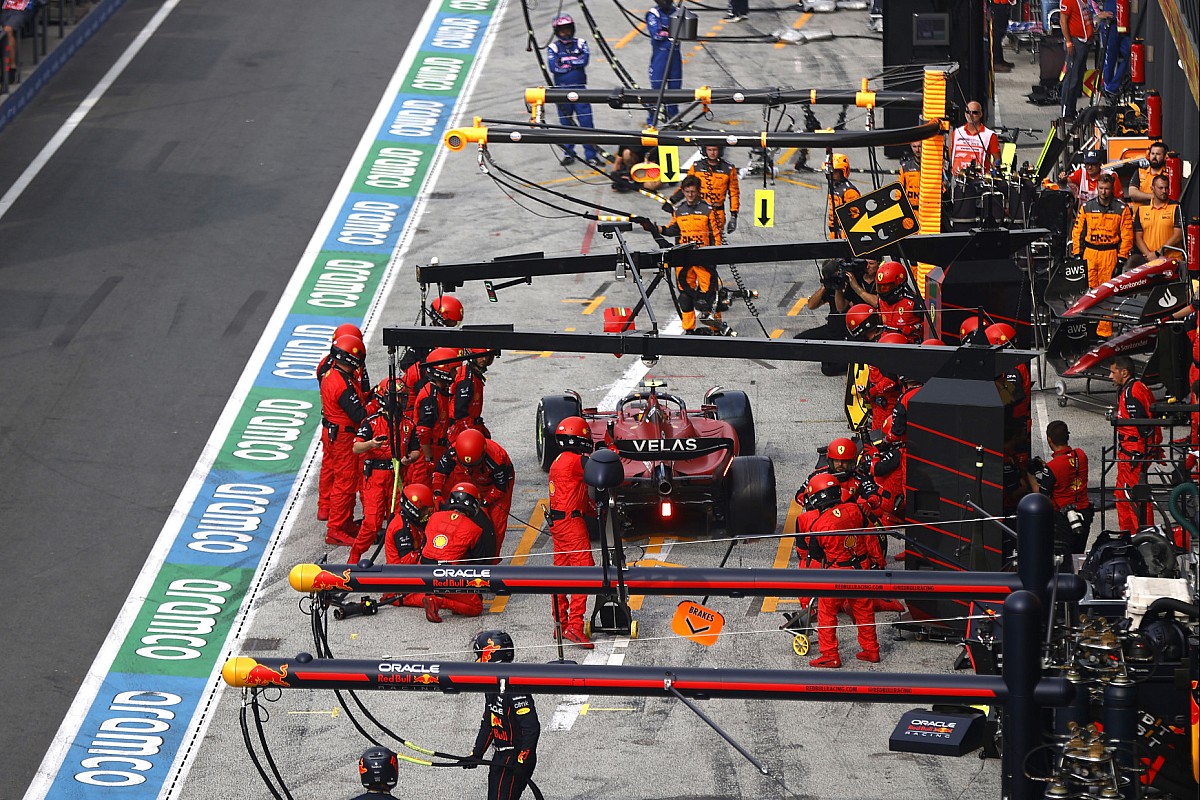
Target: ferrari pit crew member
x,y
509,725
881,389
379,771
1136,445
692,222
342,412
666,62
1103,233
1155,226
570,507
973,143
841,191
405,537
567,58
325,479
851,551
445,311
432,407
381,486
900,309
459,532
473,458
466,410
1064,479
718,180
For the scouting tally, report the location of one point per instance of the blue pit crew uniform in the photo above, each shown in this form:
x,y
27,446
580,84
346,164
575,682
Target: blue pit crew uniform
x,y
666,62
568,60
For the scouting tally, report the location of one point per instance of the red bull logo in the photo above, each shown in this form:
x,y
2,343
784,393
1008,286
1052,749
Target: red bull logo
x,y
426,679
260,675
478,583
325,581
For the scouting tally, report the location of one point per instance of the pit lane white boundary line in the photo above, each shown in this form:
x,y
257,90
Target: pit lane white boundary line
x,y
84,108
93,681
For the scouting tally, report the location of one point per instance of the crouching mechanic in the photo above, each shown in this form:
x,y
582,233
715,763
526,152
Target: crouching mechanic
x,y
509,725
570,506
405,537
379,771
853,551
473,458
461,532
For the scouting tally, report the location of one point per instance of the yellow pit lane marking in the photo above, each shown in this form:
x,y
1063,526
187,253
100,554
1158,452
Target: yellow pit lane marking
x,y
659,545
795,309
539,353
332,713
782,556
587,708
798,183
627,38
775,334
592,306
524,548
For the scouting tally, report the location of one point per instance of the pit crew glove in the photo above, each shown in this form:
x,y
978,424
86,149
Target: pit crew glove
x,y
732,226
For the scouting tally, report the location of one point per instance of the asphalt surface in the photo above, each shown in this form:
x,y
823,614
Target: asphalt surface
x,y
140,268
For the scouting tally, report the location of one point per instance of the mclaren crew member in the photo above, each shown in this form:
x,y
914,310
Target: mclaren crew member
x,y
910,174
691,223
1064,479
853,551
1155,226
841,191
325,480
1136,445
1103,233
342,411
509,725
570,508
381,486
718,180
379,771
445,311
1141,190
473,458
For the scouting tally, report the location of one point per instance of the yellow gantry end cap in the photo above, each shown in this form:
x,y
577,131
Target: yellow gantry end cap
x,y
236,669
535,95
650,137
704,94
864,99
459,138
302,576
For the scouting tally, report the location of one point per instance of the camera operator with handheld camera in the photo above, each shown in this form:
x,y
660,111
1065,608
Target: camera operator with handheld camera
x,y
1064,479
841,287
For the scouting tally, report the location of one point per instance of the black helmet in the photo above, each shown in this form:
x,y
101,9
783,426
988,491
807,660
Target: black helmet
x,y
379,769
493,646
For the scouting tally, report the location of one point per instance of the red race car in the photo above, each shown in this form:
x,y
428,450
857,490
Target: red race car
x,y
678,461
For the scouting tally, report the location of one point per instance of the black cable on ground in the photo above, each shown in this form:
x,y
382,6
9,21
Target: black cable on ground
x,y
262,738
253,755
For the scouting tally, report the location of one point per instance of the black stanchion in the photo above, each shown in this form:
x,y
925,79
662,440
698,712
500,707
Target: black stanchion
x,y
1035,545
1022,668
1120,726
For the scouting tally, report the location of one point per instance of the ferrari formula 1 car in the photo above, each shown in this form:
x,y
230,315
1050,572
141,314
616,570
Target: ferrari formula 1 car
x,y
678,461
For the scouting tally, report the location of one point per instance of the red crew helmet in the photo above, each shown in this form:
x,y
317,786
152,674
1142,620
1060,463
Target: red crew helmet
x,y
464,497
860,320
824,491
1000,333
442,372
349,350
893,338
469,446
933,343
890,276
385,388
346,329
842,449
447,311
416,503
574,434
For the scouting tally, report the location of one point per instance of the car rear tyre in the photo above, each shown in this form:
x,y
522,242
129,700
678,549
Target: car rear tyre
x,y
734,407
552,410
752,507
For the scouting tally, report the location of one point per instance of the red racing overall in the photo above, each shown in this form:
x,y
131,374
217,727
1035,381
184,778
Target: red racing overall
x,y
570,505
1134,446
342,411
451,537
493,475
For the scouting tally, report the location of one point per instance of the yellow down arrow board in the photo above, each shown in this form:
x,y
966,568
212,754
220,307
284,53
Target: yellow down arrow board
x,y
764,208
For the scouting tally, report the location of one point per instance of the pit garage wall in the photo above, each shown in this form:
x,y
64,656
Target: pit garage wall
x,y
1171,56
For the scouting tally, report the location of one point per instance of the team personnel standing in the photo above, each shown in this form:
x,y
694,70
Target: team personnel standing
x,y
692,222
1103,233
445,311
855,550
433,407
466,410
509,725
1155,225
841,191
910,174
1084,179
1076,20
567,57
459,532
373,441
666,62
718,180
570,508
342,412
1064,479
1141,190
973,143
325,478
1136,445
473,458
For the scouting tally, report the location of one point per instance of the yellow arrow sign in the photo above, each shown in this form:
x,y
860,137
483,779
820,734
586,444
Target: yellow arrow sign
x,y
870,222
764,208
668,159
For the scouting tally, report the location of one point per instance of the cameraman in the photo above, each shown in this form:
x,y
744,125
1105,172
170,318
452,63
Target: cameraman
x,y
1064,479
841,282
